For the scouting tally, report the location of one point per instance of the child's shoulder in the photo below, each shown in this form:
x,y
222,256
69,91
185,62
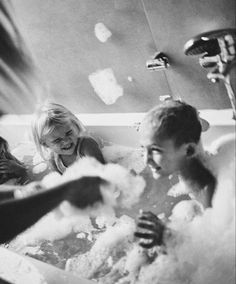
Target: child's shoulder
x,y
86,143
88,146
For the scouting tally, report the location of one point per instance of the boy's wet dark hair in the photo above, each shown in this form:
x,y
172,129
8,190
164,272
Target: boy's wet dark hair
x,y
175,120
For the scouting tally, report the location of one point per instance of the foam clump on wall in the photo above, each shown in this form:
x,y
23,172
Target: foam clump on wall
x,y
102,32
106,86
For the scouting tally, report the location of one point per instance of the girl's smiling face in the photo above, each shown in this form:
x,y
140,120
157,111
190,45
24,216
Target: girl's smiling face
x,y
62,139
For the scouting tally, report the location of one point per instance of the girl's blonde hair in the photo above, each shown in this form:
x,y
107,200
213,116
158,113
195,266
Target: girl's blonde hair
x,y
46,118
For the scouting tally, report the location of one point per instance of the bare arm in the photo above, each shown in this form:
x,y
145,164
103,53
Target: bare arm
x,y
16,215
6,194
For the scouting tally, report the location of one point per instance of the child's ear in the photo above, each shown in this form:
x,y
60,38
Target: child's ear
x,y
190,150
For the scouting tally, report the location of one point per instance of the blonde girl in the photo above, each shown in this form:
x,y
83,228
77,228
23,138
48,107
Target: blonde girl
x,y
61,138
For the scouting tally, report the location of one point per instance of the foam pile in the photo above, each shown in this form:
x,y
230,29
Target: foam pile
x,y
203,250
128,157
108,248
199,249
124,190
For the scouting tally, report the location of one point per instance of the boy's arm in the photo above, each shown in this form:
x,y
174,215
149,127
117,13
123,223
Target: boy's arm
x,y
16,215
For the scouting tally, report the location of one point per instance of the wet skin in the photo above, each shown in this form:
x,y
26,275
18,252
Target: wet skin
x,y
162,156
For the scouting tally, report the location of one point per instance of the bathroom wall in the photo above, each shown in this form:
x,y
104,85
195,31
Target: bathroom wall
x,y
61,37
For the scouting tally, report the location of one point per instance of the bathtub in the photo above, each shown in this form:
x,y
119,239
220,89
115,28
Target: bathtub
x,y
28,269
121,129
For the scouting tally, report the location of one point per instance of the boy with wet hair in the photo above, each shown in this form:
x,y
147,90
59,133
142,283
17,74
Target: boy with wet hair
x,y
171,136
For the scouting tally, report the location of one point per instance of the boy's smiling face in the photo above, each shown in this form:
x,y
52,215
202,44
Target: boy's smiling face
x,y
162,156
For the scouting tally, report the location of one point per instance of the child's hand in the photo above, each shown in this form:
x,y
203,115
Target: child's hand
x,y
12,167
85,191
150,229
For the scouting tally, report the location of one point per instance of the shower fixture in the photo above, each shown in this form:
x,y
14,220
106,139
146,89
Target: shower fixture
x,y
217,51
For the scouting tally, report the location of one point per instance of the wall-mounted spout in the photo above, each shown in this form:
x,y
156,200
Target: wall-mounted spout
x,y
159,62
